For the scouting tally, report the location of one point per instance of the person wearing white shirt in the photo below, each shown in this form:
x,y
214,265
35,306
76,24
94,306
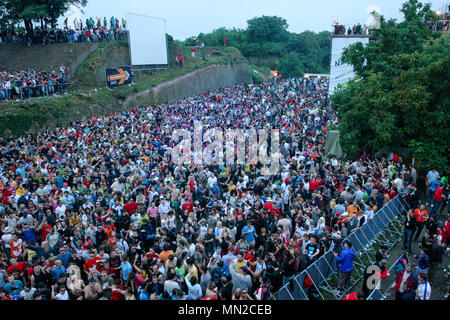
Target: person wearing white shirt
x,y
62,295
212,180
424,289
60,211
27,292
369,213
135,217
163,207
6,237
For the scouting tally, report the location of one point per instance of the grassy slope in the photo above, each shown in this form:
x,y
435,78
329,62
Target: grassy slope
x,y
260,73
17,118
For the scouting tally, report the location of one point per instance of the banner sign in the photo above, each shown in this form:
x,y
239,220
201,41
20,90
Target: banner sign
x,y
118,77
341,72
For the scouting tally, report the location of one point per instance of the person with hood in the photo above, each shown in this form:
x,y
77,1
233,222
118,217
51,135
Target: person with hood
x,y
345,264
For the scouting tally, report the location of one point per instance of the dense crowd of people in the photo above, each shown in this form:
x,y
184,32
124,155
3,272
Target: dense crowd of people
x,y
89,31
99,210
441,25
29,84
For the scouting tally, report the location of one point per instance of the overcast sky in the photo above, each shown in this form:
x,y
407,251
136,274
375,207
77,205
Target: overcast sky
x,y
189,18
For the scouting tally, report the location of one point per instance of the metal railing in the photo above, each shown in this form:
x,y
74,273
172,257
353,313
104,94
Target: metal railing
x,y
384,229
378,294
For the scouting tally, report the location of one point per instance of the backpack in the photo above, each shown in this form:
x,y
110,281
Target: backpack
x,y
400,266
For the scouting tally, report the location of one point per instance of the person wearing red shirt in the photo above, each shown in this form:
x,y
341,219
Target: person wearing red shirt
x,y
269,206
92,262
446,230
152,254
130,206
314,184
45,230
421,217
438,199
189,206
18,266
354,296
118,292
249,256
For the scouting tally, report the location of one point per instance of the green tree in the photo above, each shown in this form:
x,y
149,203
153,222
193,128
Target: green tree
x,y
267,38
270,29
29,11
291,65
400,97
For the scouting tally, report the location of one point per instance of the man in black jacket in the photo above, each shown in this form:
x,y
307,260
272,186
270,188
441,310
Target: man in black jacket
x,y
408,227
227,289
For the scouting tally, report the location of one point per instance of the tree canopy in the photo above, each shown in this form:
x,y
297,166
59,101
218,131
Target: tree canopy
x,y
399,100
29,11
268,37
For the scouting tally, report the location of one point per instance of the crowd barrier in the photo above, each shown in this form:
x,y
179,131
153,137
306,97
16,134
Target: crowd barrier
x,y
363,241
377,294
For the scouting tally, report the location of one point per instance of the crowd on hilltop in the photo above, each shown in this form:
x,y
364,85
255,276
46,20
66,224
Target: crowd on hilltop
x,y
356,30
441,25
99,210
29,84
90,31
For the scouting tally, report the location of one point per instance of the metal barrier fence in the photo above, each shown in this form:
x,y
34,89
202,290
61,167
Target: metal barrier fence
x,y
384,229
377,294
32,92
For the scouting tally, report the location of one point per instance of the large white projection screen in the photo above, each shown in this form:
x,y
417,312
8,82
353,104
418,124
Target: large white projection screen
x,y
341,72
148,45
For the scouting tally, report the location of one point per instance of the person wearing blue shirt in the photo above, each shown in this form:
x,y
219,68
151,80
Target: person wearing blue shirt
x,y
142,293
64,256
68,200
126,268
59,181
432,184
194,289
358,194
249,232
28,234
227,259
345,264
22,169
58,270
13,287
